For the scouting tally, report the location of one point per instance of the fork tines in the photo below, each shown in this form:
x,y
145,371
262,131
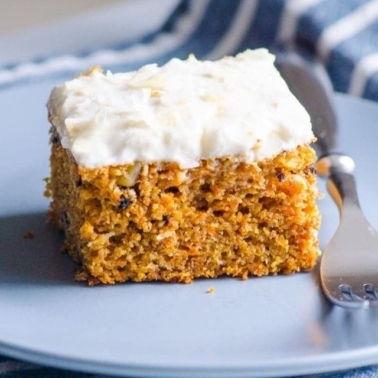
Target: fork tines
x,y
365,296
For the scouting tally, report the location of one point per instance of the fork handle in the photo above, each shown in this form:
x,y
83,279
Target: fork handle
x,y
341,185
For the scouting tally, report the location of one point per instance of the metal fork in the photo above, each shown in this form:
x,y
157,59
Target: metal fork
x,y
349,265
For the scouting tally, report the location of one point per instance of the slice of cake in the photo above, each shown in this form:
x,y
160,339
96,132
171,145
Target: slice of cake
x,y
192,169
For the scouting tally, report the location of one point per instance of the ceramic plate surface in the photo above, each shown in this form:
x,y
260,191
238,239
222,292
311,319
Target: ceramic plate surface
x,y
273,326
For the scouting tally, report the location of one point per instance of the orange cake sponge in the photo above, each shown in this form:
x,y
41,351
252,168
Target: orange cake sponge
x,y
193,169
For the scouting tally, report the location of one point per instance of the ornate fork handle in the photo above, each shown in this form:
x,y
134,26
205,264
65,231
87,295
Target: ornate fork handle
x,y
338,168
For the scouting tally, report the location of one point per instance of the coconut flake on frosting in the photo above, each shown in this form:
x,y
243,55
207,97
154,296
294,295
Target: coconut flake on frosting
x,y
183,111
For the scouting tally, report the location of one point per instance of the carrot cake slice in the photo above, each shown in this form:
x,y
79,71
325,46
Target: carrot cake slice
x,y
192,169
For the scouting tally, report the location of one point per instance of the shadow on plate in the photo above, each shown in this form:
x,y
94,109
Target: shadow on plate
x,y
30,251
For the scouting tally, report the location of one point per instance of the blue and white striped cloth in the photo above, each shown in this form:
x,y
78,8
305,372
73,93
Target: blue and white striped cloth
x,y
342,34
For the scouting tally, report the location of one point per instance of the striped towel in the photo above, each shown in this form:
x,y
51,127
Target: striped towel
x,y
341,34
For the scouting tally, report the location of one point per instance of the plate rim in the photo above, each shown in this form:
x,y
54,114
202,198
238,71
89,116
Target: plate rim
x,y
332,362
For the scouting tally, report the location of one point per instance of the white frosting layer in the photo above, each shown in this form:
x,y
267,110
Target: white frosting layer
x,y
183,111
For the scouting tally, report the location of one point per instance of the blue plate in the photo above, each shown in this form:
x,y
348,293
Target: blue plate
x,y
272,326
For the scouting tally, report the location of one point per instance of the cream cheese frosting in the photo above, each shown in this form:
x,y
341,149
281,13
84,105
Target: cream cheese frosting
x,y
183,111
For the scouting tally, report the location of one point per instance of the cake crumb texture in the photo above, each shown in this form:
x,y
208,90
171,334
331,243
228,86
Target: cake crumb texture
x,y
29,234
158,221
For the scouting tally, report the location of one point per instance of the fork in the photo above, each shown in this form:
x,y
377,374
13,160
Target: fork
x,y
349,264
